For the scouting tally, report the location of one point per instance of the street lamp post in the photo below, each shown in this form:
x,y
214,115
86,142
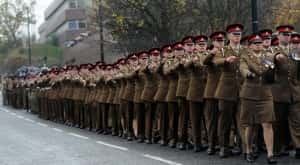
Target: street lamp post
x,y
100,14
29,36
254,16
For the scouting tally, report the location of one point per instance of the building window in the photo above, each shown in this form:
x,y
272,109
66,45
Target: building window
x,y
73,4
73,25
82,24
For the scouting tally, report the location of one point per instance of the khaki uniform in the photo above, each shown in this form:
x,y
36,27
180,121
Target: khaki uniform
x,y
115,110
149,91
227,92
139,105
171,99
211,103
286,93
195,97
129,97
183,106
160,99
256,95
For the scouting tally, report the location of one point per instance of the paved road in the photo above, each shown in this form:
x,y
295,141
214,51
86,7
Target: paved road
x,y
28,140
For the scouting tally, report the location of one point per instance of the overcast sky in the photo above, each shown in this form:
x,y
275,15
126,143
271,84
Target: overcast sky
x,y
41,6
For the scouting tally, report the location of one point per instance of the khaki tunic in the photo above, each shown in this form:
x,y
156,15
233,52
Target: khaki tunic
x,y
183,82
173,81
286,88
129,89
257,101
230,79
150,87
138,88
163,87
196,85
117,94
213,76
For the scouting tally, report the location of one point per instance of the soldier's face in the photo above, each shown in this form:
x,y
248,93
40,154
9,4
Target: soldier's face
x,y
155,58
143,61
284,38
218,44
295,45
189,47
179,53
267,42
201,46
235,37
167,54
256,46
134,62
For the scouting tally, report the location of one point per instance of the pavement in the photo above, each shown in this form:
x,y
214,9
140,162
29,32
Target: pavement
x,y
26,139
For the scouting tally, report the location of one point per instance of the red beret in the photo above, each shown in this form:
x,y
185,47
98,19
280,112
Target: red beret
x,y
143,55
99,63
133,57
188,39
154,51
201,38
254,38
121,61
285,28
234,28
265,33
295,38
177,46
166,48
217,35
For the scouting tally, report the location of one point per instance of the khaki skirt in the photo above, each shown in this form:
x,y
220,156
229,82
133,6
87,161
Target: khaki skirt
x,y
256,112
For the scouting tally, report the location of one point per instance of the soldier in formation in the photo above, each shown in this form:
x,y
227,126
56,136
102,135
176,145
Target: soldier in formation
x,y
239,97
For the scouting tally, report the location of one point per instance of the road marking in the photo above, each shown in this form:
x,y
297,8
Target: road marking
x,y
78,136
161,159
20,117
112,146
29,120
57,130
42,124
5,110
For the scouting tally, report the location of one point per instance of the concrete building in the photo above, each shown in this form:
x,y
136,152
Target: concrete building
x,y
65,19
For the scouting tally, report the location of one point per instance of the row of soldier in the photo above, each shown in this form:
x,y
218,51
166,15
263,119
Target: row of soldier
x,y
229,97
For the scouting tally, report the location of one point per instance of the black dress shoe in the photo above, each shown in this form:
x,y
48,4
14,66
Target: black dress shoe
x,y
199,148
236,151
100,131
284,153
172,144
147,141
120,135
163,143
224,153
250,158
105,132
211,151
129,138
297,154
182,146
140,140
271,160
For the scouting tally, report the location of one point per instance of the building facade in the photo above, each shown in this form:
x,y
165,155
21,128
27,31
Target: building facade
x,y
65,19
